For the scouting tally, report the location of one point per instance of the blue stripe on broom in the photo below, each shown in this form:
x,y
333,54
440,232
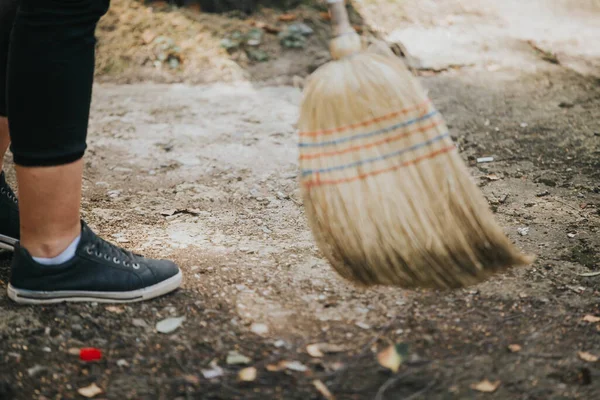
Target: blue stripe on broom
x,y
370,134
380,158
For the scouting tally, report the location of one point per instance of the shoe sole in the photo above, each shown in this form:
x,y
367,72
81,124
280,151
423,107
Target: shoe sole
x,y
8,243
23,296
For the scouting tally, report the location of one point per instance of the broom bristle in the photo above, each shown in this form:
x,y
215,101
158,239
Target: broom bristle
x,y
388,198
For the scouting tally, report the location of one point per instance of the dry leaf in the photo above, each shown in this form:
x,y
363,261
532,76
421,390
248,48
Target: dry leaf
x,y
89,391
266,27
291,365
591,318
319,349
115,309
287,17
325,15
515,348
313,350
193,379
486,386
390,359
273,368
323,389
492,177
247,374
585,356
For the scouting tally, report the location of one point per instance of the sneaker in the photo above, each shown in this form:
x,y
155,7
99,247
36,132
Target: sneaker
x,y
99,272
9,216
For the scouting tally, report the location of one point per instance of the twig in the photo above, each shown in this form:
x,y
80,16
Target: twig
x,y
567,204
388,383
589,274
420,392
541,355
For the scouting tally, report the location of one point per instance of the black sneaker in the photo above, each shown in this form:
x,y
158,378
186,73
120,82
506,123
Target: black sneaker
x,y
100,271
9,216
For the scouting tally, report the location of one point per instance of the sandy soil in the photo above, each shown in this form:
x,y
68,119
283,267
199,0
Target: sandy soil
x,y
207,175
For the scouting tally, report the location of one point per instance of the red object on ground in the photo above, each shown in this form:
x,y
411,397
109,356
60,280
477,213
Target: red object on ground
x,y
90,354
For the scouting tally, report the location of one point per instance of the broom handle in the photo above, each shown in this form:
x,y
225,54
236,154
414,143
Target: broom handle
x,y
339,17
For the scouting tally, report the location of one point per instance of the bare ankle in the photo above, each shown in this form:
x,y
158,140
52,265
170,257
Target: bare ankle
x,y
47,247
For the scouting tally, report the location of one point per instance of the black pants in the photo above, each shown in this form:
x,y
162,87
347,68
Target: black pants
x,y
46,76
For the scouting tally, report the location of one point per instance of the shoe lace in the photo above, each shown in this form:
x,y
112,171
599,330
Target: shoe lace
x,y
109,252
7,191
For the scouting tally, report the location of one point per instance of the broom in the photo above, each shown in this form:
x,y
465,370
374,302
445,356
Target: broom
x,y
387,196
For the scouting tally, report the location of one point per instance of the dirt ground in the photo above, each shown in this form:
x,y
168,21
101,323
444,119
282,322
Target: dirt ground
x,y
207,175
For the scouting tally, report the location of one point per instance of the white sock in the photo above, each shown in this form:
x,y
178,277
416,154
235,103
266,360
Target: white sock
x,y
62,257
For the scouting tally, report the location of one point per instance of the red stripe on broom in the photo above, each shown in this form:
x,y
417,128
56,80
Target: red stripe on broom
x,y
319,182
366,123
366,146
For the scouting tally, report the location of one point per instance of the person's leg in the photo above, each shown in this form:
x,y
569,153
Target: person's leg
x,y
50,76
4,139
8,9
9,210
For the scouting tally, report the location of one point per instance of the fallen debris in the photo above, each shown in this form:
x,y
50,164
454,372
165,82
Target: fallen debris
x,y
486,386
591,318
169,325
247,374
90,391
585,356
393,356
213,372
234,358
323,390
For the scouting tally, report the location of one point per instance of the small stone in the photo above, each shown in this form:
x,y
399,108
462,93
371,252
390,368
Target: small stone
x,y
140,323
523,231
259,329
301,28
295,366
122,363
169,325
247,374
571,235
35,370
234,358
74,351
214,372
